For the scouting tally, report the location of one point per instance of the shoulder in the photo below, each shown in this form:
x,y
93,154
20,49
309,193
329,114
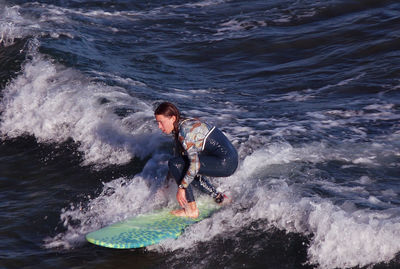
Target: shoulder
x,y
188,126
190,123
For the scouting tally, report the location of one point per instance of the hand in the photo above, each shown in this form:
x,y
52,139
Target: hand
x,y
181,197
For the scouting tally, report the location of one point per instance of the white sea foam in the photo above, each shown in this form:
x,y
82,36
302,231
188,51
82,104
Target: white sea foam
x,y
238,28
340,238
274,15
55,103
12,25
56,14
361,238
199,4
119,199
341,235
308,94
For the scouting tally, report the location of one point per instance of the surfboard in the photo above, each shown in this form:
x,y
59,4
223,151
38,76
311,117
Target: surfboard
x,y
147,229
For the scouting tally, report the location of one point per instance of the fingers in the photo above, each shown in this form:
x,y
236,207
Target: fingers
x,y
181,197
182,202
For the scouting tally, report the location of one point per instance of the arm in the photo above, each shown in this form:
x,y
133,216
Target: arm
x,y
192,135
194,166
193,169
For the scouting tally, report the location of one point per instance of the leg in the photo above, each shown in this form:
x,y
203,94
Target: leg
x,y
216,166
204,185
178,167
219,157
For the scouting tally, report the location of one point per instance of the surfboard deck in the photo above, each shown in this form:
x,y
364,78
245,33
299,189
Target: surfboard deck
x,y
147,229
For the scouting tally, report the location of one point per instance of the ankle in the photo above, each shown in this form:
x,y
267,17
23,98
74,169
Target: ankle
x,y
192,210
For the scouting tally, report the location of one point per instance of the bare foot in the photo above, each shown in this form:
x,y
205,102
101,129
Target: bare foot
x,y
190,211
179,212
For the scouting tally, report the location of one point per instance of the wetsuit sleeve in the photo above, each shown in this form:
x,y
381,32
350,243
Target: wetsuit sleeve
x,y
193,169
192,139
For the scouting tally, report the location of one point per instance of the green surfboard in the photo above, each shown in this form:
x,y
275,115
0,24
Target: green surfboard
x,y
147,229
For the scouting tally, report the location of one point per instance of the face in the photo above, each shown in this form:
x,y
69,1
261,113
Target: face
x,y
165,123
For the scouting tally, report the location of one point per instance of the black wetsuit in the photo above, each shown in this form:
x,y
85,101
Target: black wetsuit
x,y
211,152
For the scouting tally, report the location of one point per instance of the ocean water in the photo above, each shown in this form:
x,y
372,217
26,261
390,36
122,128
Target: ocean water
x,y
308,92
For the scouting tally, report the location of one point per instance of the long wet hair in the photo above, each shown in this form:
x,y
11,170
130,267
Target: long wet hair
x,y
168,109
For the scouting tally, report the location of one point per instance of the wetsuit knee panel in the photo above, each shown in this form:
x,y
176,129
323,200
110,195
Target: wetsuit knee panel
x,y
232,164
229,165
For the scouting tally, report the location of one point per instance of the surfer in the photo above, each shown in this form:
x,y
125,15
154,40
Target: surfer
x,y
203,150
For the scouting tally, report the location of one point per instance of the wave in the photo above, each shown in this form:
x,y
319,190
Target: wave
x,y
11,59
9,25
264,190
285,178
55,103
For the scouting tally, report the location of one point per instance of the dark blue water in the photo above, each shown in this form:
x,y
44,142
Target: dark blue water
x,y
307,91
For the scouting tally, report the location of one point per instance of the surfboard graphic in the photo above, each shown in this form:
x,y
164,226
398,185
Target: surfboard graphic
x,y
147,229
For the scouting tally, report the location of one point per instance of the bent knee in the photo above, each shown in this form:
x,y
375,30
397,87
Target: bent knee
x,y
230,165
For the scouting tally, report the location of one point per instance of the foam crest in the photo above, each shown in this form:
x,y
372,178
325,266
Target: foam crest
x,y
55,103
340,239
343,239
119,199
341,236
11,25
